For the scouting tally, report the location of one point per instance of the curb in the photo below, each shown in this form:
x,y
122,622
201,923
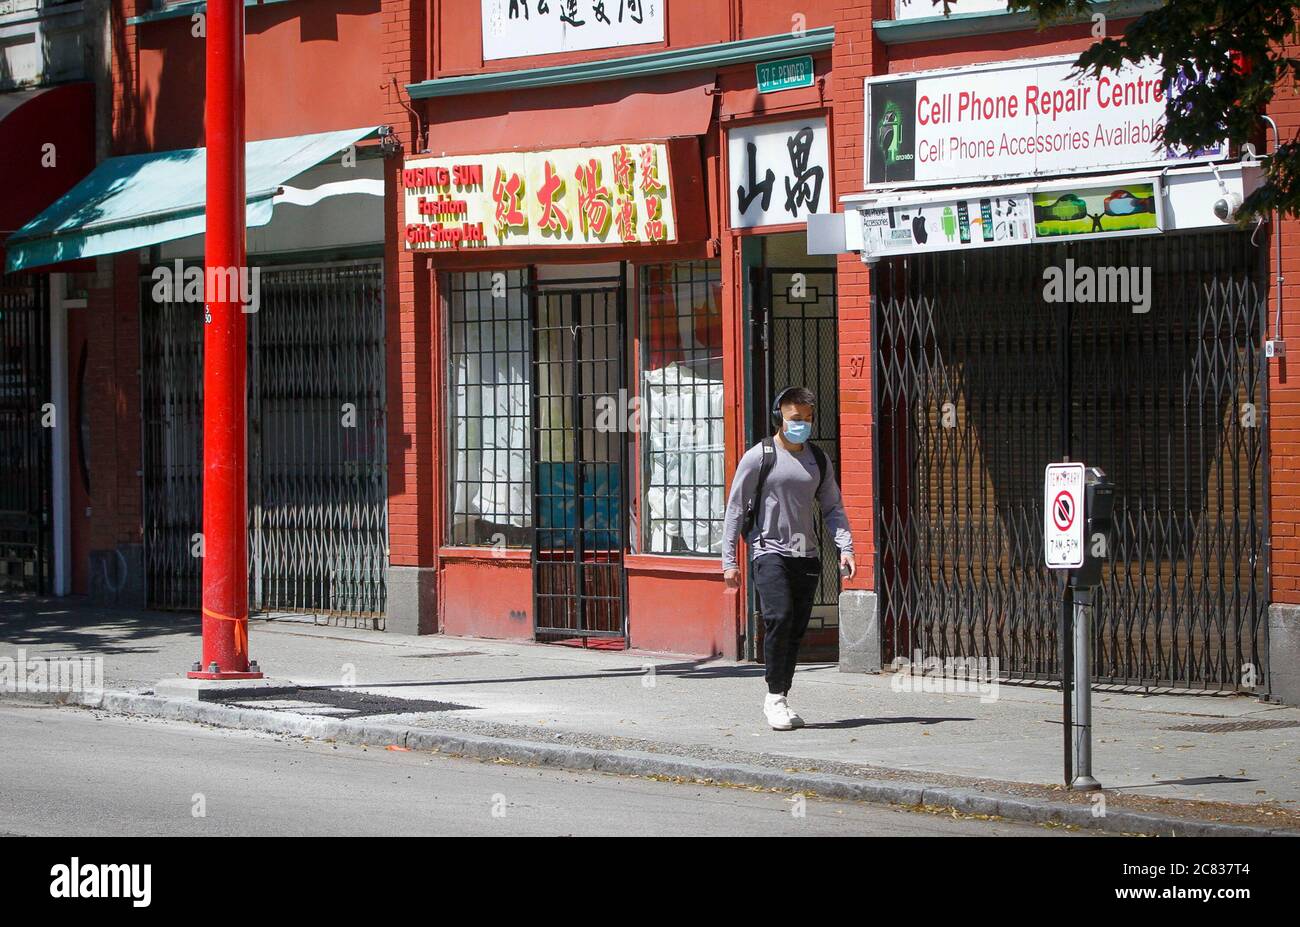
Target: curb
x,y
637,763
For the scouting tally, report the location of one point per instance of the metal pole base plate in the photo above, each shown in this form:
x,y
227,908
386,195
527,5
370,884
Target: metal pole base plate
x,y
1085,784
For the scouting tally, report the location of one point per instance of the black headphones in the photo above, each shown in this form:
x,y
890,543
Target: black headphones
x,y
776,403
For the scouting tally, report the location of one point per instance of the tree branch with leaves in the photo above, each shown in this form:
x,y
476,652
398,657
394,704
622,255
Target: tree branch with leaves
x,y
1228,59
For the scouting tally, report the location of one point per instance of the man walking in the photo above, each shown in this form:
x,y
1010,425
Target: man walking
x,y
771,506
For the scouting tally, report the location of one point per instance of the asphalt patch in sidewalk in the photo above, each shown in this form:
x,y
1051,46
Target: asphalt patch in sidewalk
x,y
1233,727
340,703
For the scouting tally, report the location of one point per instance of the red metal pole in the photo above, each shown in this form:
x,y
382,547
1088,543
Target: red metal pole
x,y
225,504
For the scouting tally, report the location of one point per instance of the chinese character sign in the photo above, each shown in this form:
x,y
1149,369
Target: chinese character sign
x,y
612,195
515,28
779,172
922,9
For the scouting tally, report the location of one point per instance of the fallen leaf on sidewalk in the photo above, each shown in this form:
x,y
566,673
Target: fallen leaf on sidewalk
x,y
397,748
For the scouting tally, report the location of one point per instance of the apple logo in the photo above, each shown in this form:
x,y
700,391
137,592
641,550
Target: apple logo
x,y
918,229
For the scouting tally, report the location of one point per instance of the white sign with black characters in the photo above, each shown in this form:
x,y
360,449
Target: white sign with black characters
x,y
516,28
930,9
780,172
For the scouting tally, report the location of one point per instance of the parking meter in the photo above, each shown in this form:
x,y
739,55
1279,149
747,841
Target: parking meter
x,y
1077,541
1098,509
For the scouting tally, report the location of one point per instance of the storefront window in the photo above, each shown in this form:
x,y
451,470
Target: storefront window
x,y
489,395
681,390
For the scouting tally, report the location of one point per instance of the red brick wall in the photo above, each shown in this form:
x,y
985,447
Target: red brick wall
x,y
1284,384
414,518
124,75
309,67
112,319
855,56
113,407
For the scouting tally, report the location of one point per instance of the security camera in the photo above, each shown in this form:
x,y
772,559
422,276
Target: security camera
x,y
1226,206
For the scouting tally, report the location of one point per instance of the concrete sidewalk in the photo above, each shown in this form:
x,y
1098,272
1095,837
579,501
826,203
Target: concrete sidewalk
x,y
1151,751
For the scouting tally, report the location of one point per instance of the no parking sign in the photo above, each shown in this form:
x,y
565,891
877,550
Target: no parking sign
x,y
1063,515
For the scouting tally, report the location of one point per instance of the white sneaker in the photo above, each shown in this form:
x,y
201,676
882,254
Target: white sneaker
x,y
795,720
777,713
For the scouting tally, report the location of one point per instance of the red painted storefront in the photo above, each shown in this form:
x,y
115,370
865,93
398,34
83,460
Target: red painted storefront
x,y
348,64
674,603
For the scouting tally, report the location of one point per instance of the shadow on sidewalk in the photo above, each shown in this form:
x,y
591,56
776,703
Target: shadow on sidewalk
x,y
697,670
848,723
72,623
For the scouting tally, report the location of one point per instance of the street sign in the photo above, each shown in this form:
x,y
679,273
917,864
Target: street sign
x,y
786,74
1063,516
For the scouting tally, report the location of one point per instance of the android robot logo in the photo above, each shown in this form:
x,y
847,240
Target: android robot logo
x,y
949,223
889,133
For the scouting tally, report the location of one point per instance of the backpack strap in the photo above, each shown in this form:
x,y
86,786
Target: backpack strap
x,y
764,468
822,466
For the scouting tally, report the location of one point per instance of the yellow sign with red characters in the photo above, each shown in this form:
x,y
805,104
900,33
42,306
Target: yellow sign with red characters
x,y
611,195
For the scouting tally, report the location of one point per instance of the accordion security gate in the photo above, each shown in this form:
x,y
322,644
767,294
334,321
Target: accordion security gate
x,y
802,350
979,383
318,532
24,440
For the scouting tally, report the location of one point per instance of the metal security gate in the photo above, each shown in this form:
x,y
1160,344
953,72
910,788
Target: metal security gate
x,y
804,351
318,533
579,462
24,440
797,344
319,487
979,383
171,404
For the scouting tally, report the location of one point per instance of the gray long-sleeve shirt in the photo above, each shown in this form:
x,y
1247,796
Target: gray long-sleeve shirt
x,y
784,522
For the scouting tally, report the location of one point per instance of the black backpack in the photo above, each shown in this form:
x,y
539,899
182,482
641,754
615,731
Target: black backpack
x,y
769,461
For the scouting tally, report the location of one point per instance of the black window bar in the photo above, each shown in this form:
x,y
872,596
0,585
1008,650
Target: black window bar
x,y
682,408
25,524
489,393
579,464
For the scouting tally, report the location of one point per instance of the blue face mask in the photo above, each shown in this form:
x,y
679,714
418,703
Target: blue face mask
x,y
797,432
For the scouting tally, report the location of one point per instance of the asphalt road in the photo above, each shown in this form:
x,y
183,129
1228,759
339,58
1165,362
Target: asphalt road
x,y
72,772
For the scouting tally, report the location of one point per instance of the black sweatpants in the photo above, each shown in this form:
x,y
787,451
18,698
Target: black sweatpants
x,y
786,589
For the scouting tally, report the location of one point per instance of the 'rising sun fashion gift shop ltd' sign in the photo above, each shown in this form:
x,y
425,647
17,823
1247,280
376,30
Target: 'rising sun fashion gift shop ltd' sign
x,y
609,195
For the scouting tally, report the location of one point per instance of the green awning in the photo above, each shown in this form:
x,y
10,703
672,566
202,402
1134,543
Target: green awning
x,y
139,200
